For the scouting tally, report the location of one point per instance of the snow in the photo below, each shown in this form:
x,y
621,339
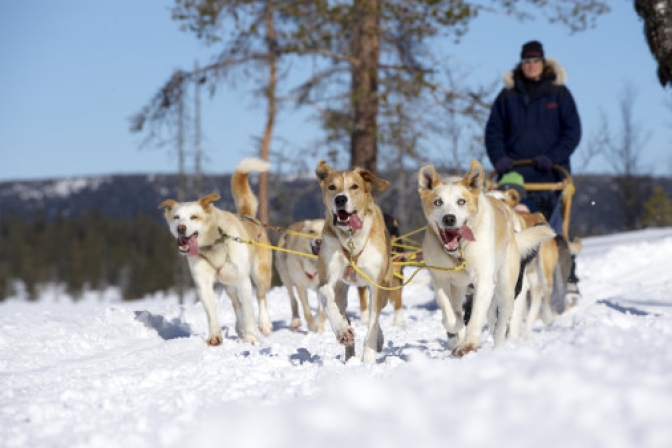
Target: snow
x,y
104,373
60,188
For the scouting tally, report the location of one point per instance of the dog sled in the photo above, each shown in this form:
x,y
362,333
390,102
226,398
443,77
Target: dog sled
x,y
565,186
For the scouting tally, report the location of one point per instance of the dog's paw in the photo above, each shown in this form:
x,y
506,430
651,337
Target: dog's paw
x,y
295,324
369,356
312,326
399,318
316,327
462,349
320,319
267,329
214,340
346,336
251,339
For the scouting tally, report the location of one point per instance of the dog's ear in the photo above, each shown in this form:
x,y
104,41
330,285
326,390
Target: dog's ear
x,y
322,171
377,184
512,197
208,200
428,178
168,203
475,178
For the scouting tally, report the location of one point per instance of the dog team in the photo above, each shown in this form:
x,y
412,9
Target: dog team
x,y
487,260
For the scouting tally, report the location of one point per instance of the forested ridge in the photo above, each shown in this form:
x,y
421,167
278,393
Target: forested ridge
x,y
110,233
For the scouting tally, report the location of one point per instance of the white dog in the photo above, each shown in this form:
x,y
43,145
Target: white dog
x,y
207,236
300,271
463,224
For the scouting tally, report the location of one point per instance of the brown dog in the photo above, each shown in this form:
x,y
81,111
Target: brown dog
x,y
354,232
205,234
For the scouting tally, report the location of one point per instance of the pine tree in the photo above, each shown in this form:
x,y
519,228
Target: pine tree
x,y
658,209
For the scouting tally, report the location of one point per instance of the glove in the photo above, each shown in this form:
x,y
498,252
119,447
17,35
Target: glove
x,y
504,165
543,163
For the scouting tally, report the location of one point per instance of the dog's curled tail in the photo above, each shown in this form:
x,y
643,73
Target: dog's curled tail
x,y
245,199
529,240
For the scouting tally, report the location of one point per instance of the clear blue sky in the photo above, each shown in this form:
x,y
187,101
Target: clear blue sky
x,y
74,71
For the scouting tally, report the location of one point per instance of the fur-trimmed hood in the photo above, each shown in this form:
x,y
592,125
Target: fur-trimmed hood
x,y
552,69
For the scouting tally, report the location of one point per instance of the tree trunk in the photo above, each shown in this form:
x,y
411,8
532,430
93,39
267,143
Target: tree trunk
x,y
366,54
198,172
270,116
181,175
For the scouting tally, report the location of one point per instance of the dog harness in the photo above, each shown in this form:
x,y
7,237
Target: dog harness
x,y
350,274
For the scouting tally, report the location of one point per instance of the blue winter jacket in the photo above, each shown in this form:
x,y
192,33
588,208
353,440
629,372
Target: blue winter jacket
x,y
521,127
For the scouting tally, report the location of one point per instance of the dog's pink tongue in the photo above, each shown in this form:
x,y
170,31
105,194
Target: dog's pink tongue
x,y
466,233
193,245
355,222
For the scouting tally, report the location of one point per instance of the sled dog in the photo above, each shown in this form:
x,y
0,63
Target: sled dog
x,y
299,272
207,236
547,272
464,224
354,232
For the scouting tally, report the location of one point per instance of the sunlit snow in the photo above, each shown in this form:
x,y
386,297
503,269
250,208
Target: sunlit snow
x,y
106,373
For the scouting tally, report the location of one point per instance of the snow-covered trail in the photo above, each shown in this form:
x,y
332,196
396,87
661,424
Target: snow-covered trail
x,y
104,373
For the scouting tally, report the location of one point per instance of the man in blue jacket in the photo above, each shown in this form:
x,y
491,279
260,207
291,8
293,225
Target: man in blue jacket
x,y
535,117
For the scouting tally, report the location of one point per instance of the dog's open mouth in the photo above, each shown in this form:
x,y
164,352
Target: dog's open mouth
x,y
451,237
343,218
188,245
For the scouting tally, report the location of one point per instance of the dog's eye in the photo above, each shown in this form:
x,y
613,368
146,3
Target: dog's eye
x,y
355,187
438,202
461,202
332,187
176,217
194,216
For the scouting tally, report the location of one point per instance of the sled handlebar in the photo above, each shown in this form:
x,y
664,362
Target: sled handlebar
x,y
566,185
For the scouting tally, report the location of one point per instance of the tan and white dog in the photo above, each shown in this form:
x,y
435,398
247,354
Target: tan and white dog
x,y
464,224
538,278
300,271
354,230
206,235
550,266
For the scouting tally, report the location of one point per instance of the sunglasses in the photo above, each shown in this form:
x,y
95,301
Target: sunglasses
x,y
531,60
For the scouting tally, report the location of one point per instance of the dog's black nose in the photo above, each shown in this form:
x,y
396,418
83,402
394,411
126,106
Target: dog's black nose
x,y
315,246
181,229
449,220
341,200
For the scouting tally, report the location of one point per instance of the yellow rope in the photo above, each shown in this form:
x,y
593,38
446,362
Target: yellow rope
x,y
420,265
276,228
410,279
404,246
405,236
224,237
282,249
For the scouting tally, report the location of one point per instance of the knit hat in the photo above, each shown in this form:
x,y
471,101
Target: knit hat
x,y
513,181
532,49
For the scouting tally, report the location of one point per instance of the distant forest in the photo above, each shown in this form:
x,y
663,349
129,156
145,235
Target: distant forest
x,y
111,233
